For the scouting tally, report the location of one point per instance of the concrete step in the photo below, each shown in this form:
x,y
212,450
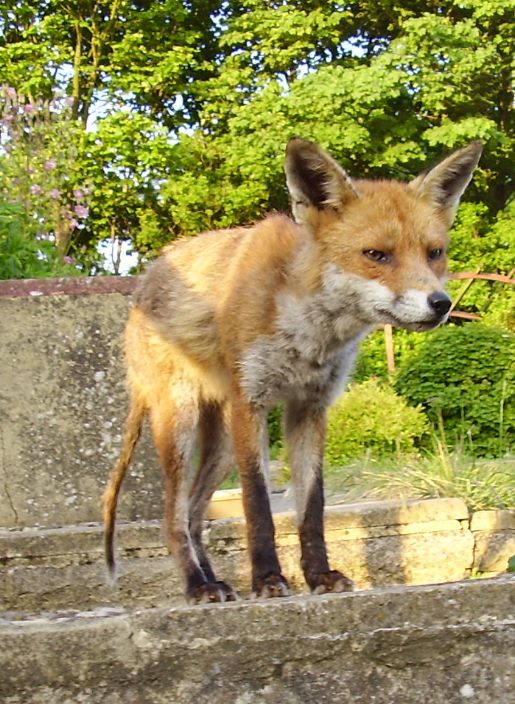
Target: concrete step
x,y
376,543
444,644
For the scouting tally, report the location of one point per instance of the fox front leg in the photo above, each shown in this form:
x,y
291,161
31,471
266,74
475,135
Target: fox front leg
x,y
305,434
249,437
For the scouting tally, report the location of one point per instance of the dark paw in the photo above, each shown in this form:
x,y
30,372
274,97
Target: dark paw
x,y
211,593
230,594
273,585
332,581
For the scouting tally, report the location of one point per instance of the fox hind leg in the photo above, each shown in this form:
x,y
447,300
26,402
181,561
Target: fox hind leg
x,y
174,418
216,461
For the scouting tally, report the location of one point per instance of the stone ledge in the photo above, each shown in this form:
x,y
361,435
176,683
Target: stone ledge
x,y
444,644
494,540
80,286
493,549
361,521
61,568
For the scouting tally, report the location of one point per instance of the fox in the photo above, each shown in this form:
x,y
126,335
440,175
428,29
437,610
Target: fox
x,y
228,324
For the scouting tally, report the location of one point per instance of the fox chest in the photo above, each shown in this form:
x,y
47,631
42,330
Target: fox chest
x,y
277,369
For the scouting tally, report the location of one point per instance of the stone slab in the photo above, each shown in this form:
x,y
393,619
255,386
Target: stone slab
x,y
77,543
493,549
444,644
142,583
493,520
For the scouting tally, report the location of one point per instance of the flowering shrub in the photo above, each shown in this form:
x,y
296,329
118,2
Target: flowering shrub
x,y
39,143
22,256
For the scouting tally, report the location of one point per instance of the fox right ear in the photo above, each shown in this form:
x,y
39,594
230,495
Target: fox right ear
x,y
315,180
445,183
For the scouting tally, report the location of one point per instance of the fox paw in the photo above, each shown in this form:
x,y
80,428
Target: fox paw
x,y
211,592
273,585
230,593
332,581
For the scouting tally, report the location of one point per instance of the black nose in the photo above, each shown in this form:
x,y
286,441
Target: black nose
x,y
439,302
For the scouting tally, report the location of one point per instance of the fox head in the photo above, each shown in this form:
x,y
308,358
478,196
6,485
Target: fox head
x,y
381,244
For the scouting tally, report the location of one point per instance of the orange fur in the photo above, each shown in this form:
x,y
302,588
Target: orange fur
x,y
226,324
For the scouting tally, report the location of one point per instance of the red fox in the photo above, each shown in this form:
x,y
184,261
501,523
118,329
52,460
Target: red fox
x,y
229,323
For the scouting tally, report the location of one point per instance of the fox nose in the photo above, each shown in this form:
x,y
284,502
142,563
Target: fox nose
x,y
439,302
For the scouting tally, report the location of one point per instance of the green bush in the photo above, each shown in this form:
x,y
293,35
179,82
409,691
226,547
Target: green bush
x,y
371,418
18,254
464,378
371,360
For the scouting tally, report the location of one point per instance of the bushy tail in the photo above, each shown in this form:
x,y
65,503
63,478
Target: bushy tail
x,y
110,496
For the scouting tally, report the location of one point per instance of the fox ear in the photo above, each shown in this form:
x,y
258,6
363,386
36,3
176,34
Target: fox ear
x,y
314,180
445,183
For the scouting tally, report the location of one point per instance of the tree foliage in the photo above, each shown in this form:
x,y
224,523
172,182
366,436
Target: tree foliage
x,y
181,110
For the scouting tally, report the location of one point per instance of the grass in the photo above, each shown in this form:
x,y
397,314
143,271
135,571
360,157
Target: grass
x,y
481,483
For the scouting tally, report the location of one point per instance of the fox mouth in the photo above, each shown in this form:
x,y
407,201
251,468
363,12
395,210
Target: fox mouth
x,y
413,325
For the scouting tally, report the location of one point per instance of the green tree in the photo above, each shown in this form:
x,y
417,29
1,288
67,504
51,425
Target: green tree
x,y
193,102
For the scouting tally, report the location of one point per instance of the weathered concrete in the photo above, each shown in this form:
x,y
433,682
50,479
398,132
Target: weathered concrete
x,y
376,543
444,644
63,404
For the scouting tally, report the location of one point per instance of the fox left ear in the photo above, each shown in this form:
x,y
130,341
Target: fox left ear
x,y
315,181
445,183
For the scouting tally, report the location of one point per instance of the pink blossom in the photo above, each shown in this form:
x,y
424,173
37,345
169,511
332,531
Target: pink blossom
x,y
81,211
68,260
10,92
55,193
29,109
78,193
49,165
36,190
73,224
7,119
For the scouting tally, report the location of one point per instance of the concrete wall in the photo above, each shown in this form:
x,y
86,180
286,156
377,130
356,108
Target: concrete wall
x,y
63,403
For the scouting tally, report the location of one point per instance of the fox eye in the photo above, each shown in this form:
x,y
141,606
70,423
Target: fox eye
x,y
435,254
376,255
